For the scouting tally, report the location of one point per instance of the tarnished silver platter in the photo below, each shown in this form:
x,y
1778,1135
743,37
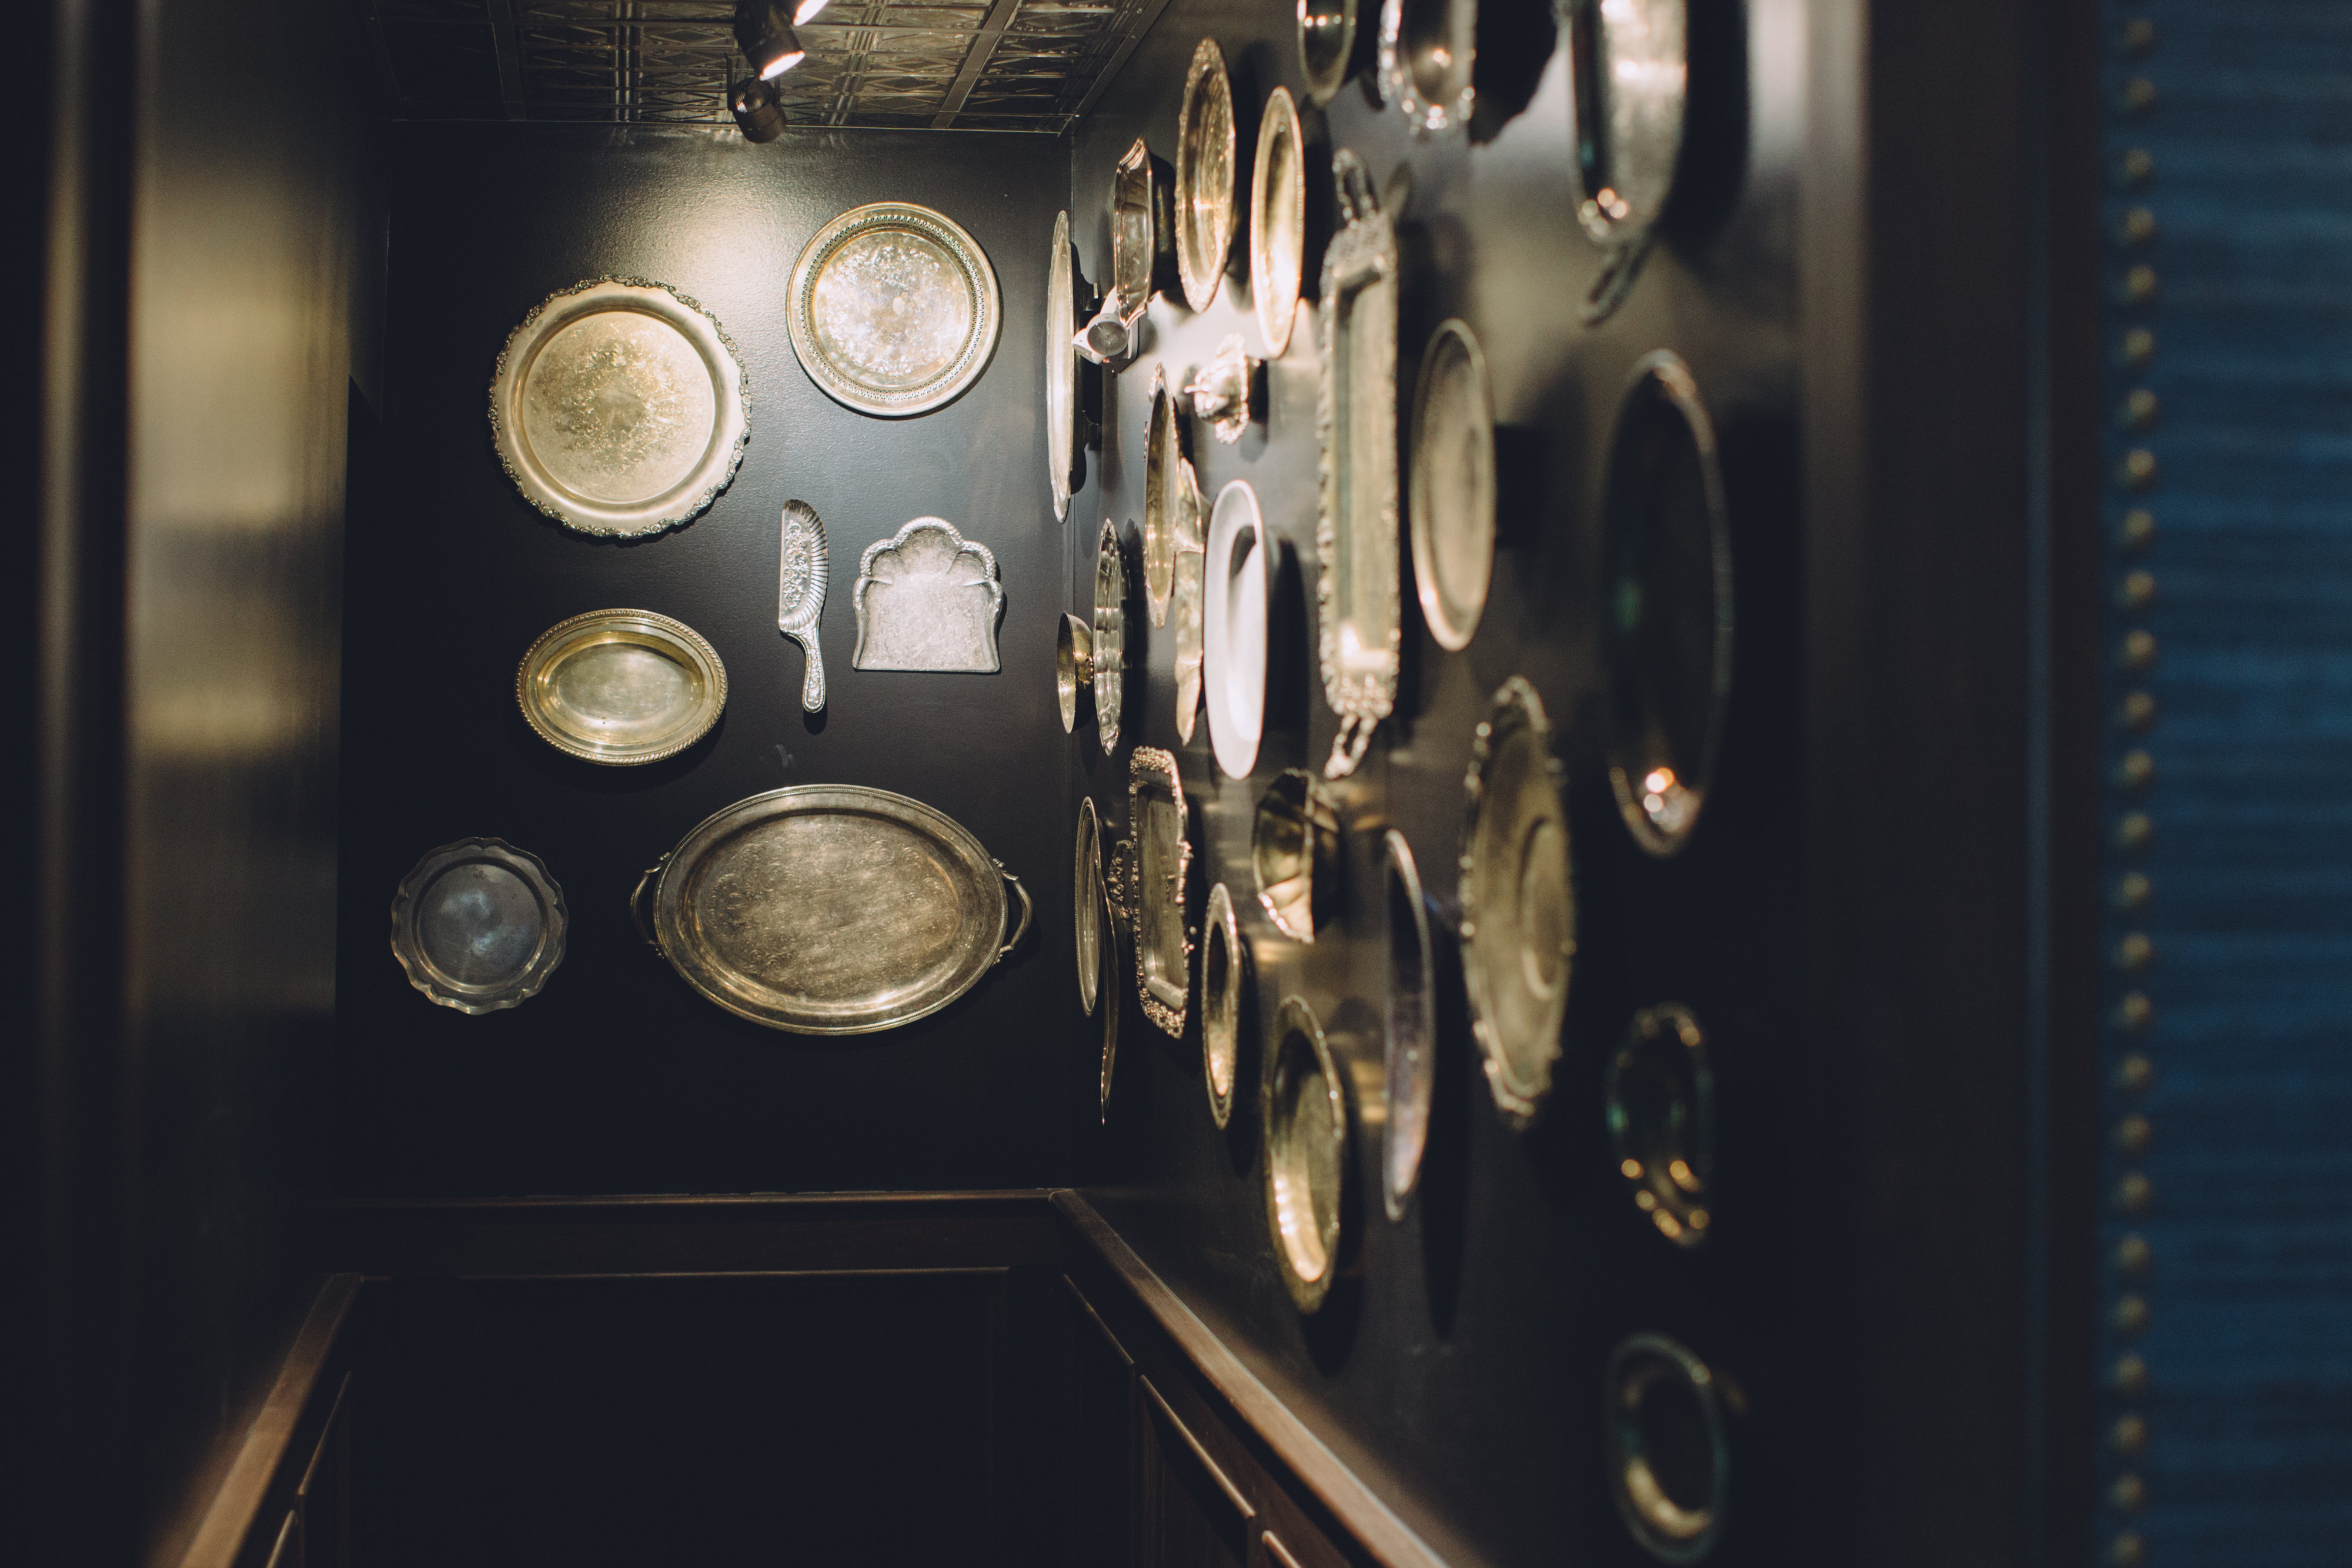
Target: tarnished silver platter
x,y
621,686
1086,903
479,926
1358,592
1659,1098
1518,907
1222,958
1061,368
1109,642
1206,156
1236,611
1163,860
893,309
1427,51
830,909
1303,1111
1627,76
1326,45
1452,490
1278,242
1411,1069
619,407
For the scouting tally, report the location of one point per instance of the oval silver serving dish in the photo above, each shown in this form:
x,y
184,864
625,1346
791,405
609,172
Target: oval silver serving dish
x,y
1277,242
1294,853
1518,907
1304,1118
1206,155
1240,582
1222,958
1666,618
1109,645
830,909
621,686
1086,903
479,926
1452,490
1659,1095
1326,45
1163,860
1428,49
1669,1464
1628,70
619,408
1411,1069
893,309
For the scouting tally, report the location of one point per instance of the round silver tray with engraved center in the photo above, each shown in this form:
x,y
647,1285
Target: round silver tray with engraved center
x,y
621,686
1451,497
1206,155
1304,1120
1277,240
619,408
831,909
893,309
479,926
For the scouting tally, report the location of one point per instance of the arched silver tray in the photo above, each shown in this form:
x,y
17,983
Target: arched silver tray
x,y
479,926
830,909
893,309
621,686
619,408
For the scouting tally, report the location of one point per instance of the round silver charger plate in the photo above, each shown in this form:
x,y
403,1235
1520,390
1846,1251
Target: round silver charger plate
x,y
1206,155
621,686
1061,368
1086,903
1669,1463
479,926
1629,127
893,309
1451,494
1518,907
1426,58
1221,1002
831,909
1304,1121
1411,1068
1277,242
619,408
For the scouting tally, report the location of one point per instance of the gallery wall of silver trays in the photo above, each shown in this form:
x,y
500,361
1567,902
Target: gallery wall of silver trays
x,y
1405,448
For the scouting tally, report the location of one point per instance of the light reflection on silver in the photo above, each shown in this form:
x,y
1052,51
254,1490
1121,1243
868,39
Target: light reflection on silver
x,y
1277,242
928,598
479,926
1452,485
1303,1112
893,309
1163,860
621,686
1204,176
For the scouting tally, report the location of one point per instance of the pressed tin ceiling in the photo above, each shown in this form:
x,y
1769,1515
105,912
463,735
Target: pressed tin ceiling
x,y
979,64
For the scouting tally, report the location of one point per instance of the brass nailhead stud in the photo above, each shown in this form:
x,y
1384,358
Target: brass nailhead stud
x,y
2134,1134
2130,1375
2137,530
2136,771
2134,832
2135,1075
2138,97
2134,952
2138,285
2131,1315
2137,712
2135,1012
2129,1551
2133,1193
2138,225
2138,37
2136,167
2137,346
2139,410
2138,651
2129,1494
2133,1255
2137,470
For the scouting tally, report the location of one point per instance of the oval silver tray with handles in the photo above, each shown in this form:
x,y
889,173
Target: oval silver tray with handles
x,y
830,909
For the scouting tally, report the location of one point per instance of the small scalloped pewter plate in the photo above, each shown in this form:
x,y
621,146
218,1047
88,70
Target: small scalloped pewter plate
x,y
1518,904
621,688
928,598
619,407
1206,156
893,309
479,926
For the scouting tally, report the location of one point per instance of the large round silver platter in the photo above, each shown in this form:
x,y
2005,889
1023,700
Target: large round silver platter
x,y
1666,616
1221,1002
1326,45
1627,76
479,926
619,408
1206,155
894,308
1109,646
1451,491
1061,368
1669,1466
1277,242
1086,903
1427,51
1163,861
1411,1069
1518,908
1236,612
831,909
1304,1114
621,686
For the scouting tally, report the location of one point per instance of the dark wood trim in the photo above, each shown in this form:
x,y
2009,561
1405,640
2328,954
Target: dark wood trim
x,y
1165,1414
274,1463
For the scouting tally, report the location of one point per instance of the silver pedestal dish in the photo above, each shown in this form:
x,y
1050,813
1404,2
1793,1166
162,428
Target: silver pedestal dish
x,y
1452,490
893,309
622,687
1227,392
479,926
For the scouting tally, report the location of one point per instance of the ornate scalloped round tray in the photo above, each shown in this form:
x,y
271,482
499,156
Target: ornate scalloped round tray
x,y
893,309
619,408
479,926
621,686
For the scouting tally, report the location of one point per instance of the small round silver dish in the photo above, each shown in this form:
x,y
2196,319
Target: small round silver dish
x,y
1326,45
1074,667
1411,1069
893,309
1666,619
1108,647
1450,493
1305,1124
1277,237
619,408
1206,156
1221,1002
1427,51
479,926
1669,1464
1294,853
622,687
1628,75
1659,1099
1086,903
1518,905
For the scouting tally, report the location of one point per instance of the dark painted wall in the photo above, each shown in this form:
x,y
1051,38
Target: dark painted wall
x,y
618,1078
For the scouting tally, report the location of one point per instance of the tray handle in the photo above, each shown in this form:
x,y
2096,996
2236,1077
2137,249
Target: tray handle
x,y
638,904
1027,909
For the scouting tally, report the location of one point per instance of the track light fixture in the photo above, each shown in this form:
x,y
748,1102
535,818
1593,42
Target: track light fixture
x,y
763,31
808,8
757,112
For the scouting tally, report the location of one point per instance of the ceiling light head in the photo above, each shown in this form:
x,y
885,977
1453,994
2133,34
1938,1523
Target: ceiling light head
x,y
763,31
807,12
757,110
